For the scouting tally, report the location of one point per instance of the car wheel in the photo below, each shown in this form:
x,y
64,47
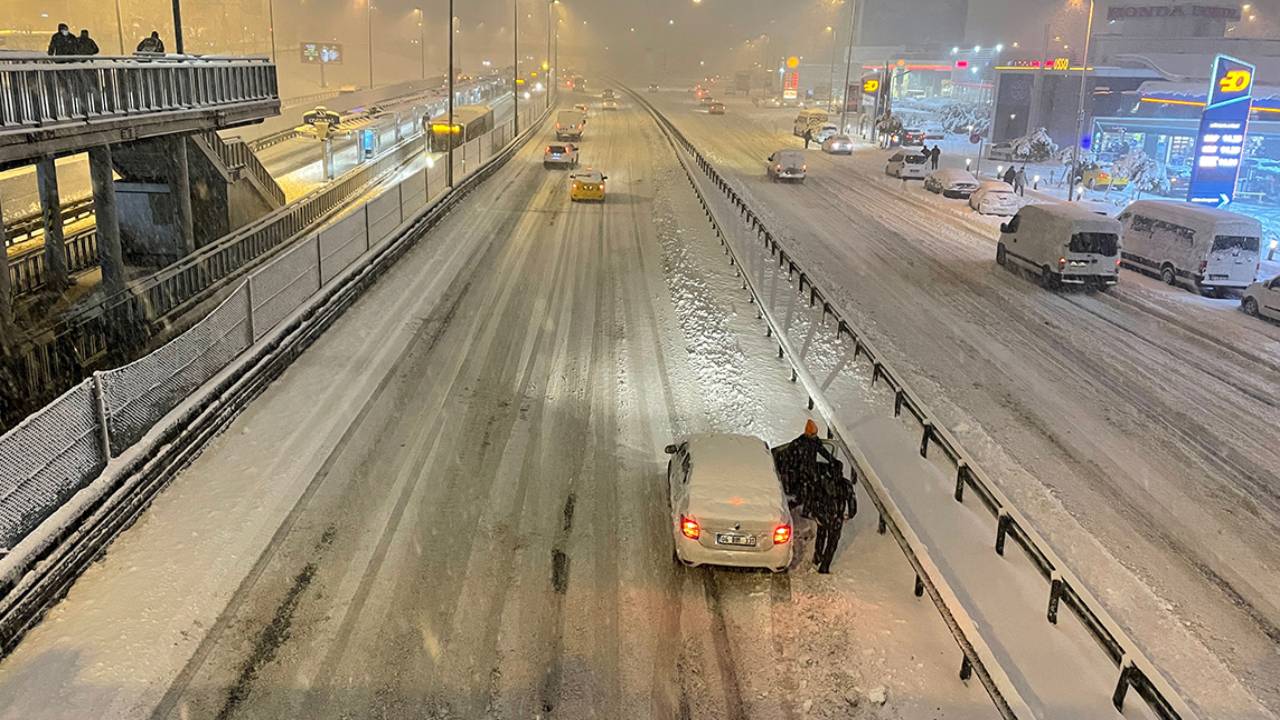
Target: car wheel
x,y
1001,259
1168,275
1046,278
1250,306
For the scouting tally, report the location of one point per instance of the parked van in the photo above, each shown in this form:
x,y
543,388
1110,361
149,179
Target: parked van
x,y
1062,243
1211,250
569,124
811,120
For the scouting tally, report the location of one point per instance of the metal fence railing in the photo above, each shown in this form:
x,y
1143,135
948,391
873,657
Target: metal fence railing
x,y
38,91
27,272
1133,669
235,153
62,447
25,228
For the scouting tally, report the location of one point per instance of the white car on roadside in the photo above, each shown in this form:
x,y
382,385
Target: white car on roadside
x,y
838,145
1262,299
727,503
995,197
907,164
952,183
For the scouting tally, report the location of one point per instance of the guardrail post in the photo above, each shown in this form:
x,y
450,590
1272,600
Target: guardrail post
x,y
966,668
926,434
897,402
248,293
1055,594
881,527
919,590
1002,529
875,372
1127,670
962,473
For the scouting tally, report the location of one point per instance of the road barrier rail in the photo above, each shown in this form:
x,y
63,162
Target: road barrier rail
x,y
1134,669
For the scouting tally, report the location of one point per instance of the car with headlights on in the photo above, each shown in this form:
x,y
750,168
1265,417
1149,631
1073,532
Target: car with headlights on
x,y
587,184
838,145
727,505
715,108
609,105
951,183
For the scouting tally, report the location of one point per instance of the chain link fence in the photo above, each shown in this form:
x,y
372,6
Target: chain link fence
x,y
63,447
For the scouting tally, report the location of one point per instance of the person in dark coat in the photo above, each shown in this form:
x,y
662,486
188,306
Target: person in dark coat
x,y
85,45
934,154
151,44
62,42
1009,175
834,502
808,137
798,466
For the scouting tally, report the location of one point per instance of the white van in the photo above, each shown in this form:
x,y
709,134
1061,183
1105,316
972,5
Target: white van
x,y
1062,243
787,165
1212,250
569,124
811,120
727,503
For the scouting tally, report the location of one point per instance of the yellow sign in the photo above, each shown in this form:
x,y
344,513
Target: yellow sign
x,y
1235,81
546,65
870,86
901,62
1062,63
793,62
533,74
519,81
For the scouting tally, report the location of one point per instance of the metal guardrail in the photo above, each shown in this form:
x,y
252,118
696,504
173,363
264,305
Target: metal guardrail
x,y
1135,670
27,269
28,226
39,91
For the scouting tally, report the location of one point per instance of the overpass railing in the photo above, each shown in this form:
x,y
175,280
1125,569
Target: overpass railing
x,y
38,91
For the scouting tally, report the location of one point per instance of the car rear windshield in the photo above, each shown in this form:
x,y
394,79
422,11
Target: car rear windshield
x,y
1093,242
915,159
555,148
1235,242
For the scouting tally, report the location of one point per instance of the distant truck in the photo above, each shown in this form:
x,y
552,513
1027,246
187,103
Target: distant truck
x,y
570,124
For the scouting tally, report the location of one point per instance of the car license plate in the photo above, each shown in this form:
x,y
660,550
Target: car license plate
x,y
735,539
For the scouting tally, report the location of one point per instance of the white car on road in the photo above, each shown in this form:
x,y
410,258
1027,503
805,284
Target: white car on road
x,y
838,145
727,504
994,197
787,165
907,164
952,183
560,155
1262,299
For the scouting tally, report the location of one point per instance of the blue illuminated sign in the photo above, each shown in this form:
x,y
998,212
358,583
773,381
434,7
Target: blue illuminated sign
x,y
1223,126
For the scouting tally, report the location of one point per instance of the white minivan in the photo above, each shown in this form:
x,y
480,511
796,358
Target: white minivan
x,y
570,124
1062,243
1211,250
727,504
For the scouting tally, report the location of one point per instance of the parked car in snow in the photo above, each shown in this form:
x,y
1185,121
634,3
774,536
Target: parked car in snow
x,y
994,197
560,155
952,183
1262,299
1001,151
826,131
907,164
1211,250
787,165
1096,177
838,145
1062,243
727,503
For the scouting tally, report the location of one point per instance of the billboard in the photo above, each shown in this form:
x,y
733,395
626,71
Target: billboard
x,y
314,53
791,85
1224,124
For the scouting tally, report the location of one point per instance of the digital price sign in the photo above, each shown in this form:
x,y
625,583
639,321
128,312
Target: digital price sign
x,y
321,53
791,85
1223,127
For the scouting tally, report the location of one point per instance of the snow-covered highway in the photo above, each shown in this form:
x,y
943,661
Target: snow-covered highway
x,y
453,504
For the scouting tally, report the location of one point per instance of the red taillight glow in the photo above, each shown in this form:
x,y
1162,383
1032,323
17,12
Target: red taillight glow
x,y
781,534
557,126
689,527
1117,262
1062,262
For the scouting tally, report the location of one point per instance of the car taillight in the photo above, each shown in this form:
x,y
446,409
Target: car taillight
x,y
1117,262
777,167
781,534
804,168
1062,262
557,126
689,527
1203,265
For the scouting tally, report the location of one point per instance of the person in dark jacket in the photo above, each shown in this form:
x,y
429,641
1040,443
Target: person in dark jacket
x,y
808,137
797,464
62,42
85,45
151,44
1009,175
834,502
934,154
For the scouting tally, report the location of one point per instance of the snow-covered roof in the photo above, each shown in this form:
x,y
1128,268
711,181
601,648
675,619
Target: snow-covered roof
x,y
733,473
1189,66
1191,214
954,175
1072,217
1198,90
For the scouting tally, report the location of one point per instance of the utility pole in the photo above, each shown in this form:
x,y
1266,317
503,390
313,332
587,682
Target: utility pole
x,y
515,66
177,27
120,27
1084,75
369,23
548,72
271,25
848,63
422,40
448,170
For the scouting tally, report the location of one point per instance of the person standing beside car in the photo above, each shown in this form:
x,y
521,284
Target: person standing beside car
x,y
934,154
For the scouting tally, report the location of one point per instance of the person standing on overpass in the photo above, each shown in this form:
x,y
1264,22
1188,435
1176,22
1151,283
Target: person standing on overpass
x,y
62,42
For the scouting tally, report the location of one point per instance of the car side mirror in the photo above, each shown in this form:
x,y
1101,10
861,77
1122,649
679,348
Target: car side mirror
x,y
670,449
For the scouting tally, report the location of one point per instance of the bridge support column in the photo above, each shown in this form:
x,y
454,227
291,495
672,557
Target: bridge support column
x,y
110,254
180,188
55,254
6,299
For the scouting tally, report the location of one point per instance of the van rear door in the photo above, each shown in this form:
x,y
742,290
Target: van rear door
x,y
1232,261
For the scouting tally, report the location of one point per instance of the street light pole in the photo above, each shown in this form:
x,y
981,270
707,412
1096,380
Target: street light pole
x,y
848,64
271,26
515,66
448,170
369,23
177,27
422,40
1084,74
548,73
120,27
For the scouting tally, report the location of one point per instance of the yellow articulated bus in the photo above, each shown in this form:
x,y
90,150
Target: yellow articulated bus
x,y
469,123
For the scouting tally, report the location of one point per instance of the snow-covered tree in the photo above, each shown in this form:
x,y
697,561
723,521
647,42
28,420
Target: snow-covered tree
x,y
965,117
1145,174
890,125
1035,146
